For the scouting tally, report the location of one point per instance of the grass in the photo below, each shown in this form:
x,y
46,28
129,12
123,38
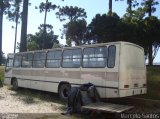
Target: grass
x,y
1,76
153,83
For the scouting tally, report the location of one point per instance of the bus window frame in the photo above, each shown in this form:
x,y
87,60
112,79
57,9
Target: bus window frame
x,y
72,58
39,60
14,60
28,60
54,59
96,57
7,68
114,57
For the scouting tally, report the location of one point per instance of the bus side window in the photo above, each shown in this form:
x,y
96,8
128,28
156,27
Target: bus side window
x,y
54,59
88,54
77,57
39,59
101,56
72,58
111,56
94,57
17,60
9,64
27,60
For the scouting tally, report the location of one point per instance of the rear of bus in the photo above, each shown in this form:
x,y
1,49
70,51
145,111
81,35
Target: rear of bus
x,y
132,70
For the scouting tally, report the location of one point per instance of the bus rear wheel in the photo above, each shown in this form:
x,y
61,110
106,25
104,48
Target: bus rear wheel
x,y
15,84
63,91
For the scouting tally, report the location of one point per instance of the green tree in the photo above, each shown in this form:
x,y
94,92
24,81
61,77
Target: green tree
x,y
103,28
149,7
46,7
57,45
34,42
131,3
152,35
72,14
4,7
14,15
138,20
75,31
31,42
137,16
23,42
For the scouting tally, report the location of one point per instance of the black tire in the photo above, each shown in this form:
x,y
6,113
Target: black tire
x,y
15,84
63,91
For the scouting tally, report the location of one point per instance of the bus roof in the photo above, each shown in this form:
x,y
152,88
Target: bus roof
x,y
84,46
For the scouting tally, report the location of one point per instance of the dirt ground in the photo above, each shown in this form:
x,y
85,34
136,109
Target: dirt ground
x,y
32,104
11,102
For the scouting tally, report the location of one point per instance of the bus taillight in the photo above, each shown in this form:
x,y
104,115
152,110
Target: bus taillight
x,y
144,85
126,86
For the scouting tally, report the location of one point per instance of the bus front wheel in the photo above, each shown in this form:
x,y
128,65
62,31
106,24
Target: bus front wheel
x,y
63,91
15,84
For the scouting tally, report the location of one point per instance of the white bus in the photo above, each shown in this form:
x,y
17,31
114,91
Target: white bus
x,y
117,69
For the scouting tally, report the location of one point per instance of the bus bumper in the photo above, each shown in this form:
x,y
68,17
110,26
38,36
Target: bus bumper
x,y
131,92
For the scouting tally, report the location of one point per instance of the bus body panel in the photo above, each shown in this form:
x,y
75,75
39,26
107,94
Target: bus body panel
x,y
127,77
132,70
8,76
95,76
